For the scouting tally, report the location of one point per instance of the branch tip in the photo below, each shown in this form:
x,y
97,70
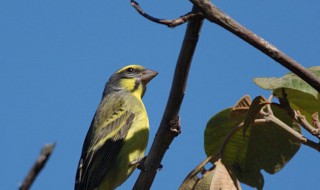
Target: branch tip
x,y
170,23
39,164
315,120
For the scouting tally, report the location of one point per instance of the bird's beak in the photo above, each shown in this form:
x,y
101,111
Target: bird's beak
x,y
147,75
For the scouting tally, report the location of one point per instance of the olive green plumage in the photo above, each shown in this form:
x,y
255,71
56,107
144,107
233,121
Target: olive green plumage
x,y
118,135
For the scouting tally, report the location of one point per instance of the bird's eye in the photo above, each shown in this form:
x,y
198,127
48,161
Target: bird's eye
x,y
130,70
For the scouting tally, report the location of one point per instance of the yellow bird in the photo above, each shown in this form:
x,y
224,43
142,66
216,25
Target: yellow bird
x,y
118,135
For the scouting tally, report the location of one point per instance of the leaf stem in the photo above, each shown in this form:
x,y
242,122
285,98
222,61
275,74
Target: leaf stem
x,y
274,120
306,125
297,116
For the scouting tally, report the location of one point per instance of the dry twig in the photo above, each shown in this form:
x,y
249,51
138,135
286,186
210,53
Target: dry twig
x,y
315,119
306,125
46,152
170,23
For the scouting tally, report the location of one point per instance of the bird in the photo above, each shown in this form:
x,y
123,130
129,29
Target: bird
x,y
118,135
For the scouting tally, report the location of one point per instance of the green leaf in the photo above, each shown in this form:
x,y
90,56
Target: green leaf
x,y
265,146
289,81
217,130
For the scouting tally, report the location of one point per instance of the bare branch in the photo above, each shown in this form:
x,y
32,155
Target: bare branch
x,y
46,151
165,134
170,23
213,14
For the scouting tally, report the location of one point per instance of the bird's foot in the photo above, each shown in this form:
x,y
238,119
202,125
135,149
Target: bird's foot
x,y
138,161
141,165
175,126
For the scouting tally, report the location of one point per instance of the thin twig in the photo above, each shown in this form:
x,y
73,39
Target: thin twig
x,y
170,23
269,107
306,125
46,151
213,14
297,116
315,120
165,134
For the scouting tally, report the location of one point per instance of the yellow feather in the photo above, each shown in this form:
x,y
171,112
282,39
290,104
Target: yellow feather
x,y
129,84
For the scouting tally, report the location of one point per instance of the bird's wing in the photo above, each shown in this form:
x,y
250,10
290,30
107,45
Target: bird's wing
x,y
99,155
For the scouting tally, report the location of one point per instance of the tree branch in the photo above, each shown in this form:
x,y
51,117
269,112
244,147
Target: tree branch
x,y
213,14
166,133
170,23
46,151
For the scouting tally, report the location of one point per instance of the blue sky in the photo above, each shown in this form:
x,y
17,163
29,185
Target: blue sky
x,y
55,57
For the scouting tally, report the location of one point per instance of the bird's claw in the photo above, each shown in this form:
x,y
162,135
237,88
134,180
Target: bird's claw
x,y
141,165
175,126
139,161
160,167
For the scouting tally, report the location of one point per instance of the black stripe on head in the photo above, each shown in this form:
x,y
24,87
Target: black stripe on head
x,y
136,86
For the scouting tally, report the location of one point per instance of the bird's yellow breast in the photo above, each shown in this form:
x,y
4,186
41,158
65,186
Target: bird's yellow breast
x,y
133,148
138,134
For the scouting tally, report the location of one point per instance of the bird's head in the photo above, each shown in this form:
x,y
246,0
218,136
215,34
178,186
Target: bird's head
x,y
131,78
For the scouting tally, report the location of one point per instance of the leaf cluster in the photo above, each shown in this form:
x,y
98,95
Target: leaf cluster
x,y
257,135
